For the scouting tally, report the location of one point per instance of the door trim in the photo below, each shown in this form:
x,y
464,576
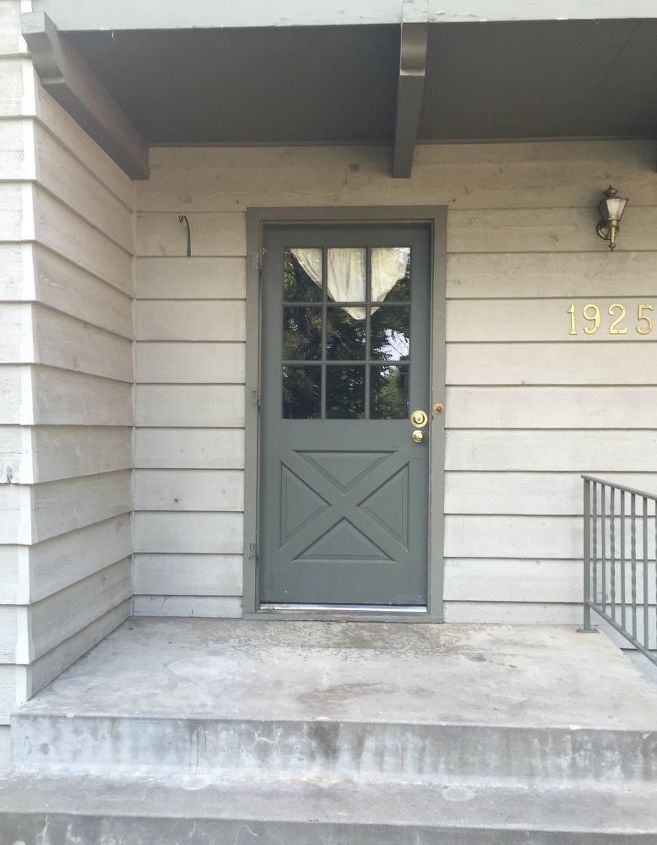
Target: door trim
x,y
256,221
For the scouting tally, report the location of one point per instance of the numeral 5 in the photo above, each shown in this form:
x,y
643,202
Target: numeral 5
x,y
642,317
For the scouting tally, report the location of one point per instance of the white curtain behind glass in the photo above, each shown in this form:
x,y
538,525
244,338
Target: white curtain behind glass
x,y
346,273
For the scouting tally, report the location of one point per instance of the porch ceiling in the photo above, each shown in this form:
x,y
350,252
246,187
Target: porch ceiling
x,y
484,81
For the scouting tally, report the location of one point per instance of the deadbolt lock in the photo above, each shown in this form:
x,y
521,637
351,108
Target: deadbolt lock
x,y
419,419
417,436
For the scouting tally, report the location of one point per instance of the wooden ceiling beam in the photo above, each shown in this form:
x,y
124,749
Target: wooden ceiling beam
x,y
410,88
70,81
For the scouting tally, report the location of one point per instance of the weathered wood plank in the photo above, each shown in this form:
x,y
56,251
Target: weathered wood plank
x,y
545,320
213,607
189,490
65,398
64,232
16,149
72,451
72,290
76,186
190,405
552,275
13,574
52,664
534,537
84,148
211,234
12,453
63,506
13,260
190,533
161,448
522,175
17,85
66,342
543,230
13,690
513,613
51,620
14,515
551,407
60,561
12,632
493,580
514,493
188,575
191,278
15,210
189,363
10,28
550,363
200,320
11,395
596,452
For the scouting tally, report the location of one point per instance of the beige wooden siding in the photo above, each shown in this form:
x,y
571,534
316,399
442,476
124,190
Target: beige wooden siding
x,y
528,407
66,400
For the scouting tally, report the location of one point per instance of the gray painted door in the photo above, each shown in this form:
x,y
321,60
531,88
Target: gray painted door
x,y
345,359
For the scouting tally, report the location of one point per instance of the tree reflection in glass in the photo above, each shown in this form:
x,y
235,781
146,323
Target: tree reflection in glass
x,y
388,392
345,392
302,392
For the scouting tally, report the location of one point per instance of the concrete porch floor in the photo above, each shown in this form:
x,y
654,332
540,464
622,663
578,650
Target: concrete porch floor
x,y
353,672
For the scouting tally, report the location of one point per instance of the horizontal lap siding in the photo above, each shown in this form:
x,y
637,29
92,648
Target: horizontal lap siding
x,y
66,281
528,406
189,485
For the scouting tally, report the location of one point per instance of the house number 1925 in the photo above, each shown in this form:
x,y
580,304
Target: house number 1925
x,y
618,322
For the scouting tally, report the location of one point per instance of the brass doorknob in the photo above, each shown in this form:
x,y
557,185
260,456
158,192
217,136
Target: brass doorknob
x,y
417,436
419,418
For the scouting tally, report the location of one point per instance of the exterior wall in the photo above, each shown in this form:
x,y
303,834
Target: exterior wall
x,y
528,407
66,403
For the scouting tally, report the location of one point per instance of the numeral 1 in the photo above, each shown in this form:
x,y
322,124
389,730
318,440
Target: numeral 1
x,y
573,327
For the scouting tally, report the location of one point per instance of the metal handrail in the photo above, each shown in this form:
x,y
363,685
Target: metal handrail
x,y
620,549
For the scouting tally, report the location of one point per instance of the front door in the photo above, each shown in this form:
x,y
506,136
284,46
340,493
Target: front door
x,y
345,361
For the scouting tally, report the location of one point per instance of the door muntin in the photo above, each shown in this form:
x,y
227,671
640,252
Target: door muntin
x,y
344,489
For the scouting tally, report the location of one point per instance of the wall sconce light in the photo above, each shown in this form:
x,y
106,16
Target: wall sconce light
x,y
611,210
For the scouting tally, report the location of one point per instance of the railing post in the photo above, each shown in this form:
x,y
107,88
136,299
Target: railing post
x,y
587,628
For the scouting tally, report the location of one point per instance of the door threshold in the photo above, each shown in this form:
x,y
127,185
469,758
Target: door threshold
x,y
346,608
342,613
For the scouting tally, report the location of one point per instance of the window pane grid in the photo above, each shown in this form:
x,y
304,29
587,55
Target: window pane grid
x,y
366,378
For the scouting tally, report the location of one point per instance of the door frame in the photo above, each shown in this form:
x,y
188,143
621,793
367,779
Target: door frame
x,y
257,219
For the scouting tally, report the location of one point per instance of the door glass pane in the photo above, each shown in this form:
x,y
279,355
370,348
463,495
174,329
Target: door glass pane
x,y
389,392
302,392
345,336
391,274
391,333
302,275
302,333
345,392
346,274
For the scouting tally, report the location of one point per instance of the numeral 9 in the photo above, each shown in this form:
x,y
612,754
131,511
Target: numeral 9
x,y
592,313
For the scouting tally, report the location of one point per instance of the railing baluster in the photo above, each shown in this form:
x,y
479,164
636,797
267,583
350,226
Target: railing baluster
x,y
612,549
587,555
646,595
603,549
623,560
633,559
594,559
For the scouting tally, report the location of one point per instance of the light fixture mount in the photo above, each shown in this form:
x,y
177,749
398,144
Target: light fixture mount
x,y
611,210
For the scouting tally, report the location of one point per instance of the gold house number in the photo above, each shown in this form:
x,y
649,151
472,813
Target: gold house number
x,y
618,322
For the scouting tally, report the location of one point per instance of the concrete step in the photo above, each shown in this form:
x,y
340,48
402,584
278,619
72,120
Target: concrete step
x,y
106,744
59,810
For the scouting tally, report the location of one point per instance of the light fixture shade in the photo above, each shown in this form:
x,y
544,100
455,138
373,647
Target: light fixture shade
x,y
612,206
